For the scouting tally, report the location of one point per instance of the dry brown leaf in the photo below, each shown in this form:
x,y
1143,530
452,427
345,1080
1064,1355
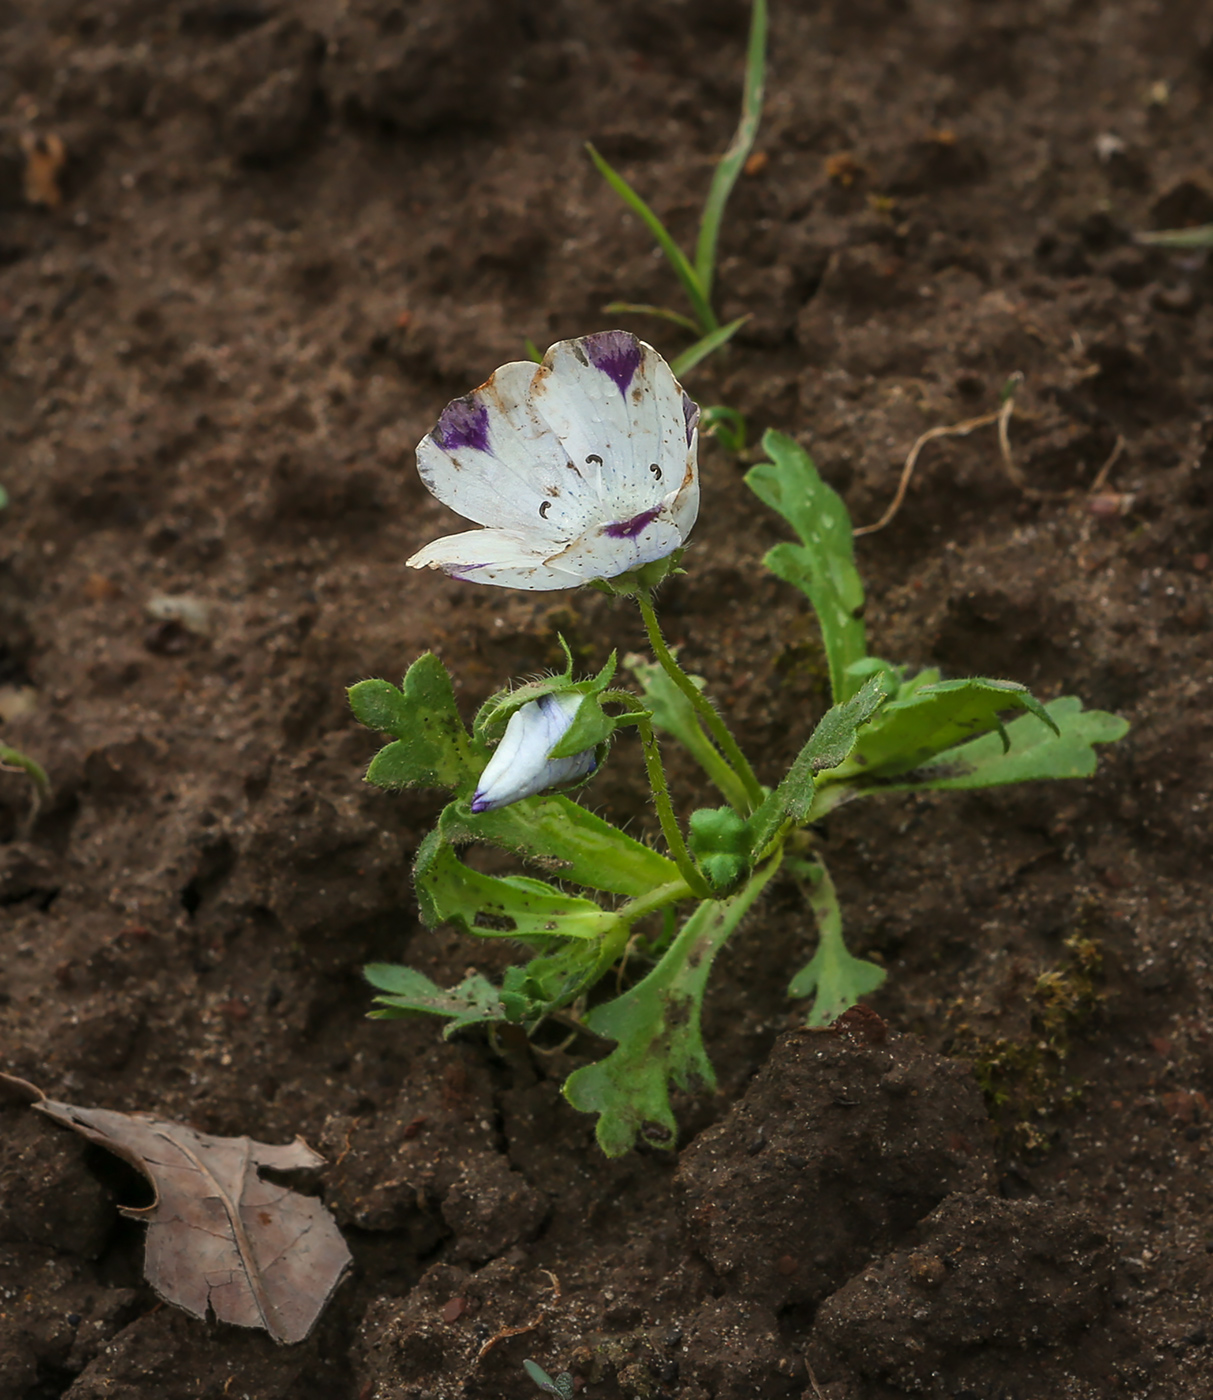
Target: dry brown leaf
x,y
220,1237
45,157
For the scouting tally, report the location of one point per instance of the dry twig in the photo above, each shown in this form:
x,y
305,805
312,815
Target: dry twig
x,y
536,1322
1002,417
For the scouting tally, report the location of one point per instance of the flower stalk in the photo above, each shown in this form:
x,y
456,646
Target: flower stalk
x,y
716,726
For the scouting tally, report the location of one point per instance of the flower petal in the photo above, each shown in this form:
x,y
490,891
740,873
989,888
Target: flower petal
x,y
492,458
496,557
520,766
584,467
616,407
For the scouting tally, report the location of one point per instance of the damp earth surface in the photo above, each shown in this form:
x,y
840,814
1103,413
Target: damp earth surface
x,y
247,253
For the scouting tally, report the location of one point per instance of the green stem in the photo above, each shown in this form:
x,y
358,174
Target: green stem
x,y
695,881
716,726
655,899
702,750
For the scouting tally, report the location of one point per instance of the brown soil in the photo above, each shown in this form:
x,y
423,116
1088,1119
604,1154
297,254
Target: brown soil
x,y
288,233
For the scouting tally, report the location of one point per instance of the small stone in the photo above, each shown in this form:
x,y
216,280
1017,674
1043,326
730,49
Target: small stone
x,y
927,1270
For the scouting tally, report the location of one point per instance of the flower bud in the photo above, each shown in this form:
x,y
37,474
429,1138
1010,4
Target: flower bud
x,y
520,766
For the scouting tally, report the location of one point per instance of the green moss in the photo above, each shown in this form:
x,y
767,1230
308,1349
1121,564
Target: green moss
x,y
1026,1082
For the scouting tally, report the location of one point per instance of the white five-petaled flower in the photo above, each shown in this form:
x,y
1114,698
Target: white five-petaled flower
x,y
580,468
520,766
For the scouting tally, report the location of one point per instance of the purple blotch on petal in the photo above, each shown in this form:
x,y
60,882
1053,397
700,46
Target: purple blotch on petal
x,y
629,529
464,423
616,353
690,411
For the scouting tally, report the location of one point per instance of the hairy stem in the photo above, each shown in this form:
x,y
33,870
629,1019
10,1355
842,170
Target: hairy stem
x,y
690,872
703,706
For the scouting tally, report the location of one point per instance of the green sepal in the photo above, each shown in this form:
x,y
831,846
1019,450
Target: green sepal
x,y
1034,753
656,1025
933,717
494,714
491,906
822,566
641,580
555,831
591,728
406,992
835,736
431,748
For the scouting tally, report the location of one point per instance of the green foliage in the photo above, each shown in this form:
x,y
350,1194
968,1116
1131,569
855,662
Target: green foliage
x,y
513,906
1022,752
562,1387
886,731
720,840
697,276
937,717
827,747
14,758
726,425
431,748
1200,237
673,712
822,566
656,1025
406,992
560,833
833,977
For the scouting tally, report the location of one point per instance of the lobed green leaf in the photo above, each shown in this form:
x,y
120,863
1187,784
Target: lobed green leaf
x,y
552,828
657,1026
925,720
431,748
1033,753
406,992
514,906
834,977
822,566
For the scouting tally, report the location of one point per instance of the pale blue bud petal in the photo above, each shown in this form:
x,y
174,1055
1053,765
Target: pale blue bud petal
x,y
520,766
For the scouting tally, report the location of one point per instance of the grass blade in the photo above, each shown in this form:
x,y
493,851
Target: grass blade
x,y
1201,237
734,158
678,260
11,759
703,348
633,308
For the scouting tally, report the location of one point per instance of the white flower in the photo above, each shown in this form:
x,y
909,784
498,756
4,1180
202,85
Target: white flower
x,y
583,467
520,766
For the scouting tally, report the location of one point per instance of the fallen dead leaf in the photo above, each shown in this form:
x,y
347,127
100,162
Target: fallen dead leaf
x,y
220,1238
45,156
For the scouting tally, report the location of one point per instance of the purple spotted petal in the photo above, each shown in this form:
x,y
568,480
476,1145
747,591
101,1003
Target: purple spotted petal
x,y
464,423
616,353
629,529
690,411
